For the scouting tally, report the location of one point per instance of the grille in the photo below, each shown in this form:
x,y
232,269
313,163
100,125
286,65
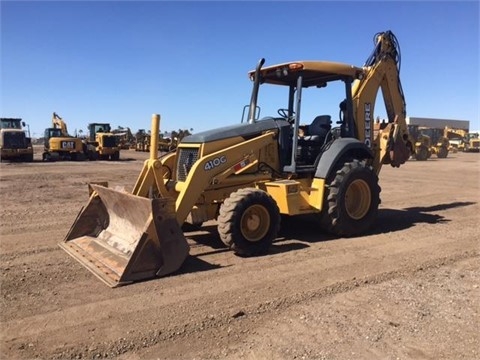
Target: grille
x,y
186,159
109,141
14,140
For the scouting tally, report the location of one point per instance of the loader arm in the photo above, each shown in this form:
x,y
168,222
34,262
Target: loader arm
x,y
216,165
382,71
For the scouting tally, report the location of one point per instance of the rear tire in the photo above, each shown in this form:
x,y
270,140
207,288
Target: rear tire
x,y
249,221
352,200
28,158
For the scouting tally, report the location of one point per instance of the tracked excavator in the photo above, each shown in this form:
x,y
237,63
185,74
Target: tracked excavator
x,y
245,176
59,145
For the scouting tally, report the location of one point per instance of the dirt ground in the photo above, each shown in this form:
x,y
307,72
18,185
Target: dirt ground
x,y
409,289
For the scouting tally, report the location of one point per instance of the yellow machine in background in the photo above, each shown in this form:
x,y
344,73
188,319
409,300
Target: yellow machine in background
x,y
14,143
245,176
166,144
439,142
456,138
422,144
142,141
125,138
462,139
59,145
104,141
472,143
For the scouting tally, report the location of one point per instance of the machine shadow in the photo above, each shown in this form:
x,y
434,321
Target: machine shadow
x,y
193,264
298,231
395,220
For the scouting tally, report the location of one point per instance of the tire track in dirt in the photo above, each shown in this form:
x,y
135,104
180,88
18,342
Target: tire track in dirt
x,y
180,327
52,307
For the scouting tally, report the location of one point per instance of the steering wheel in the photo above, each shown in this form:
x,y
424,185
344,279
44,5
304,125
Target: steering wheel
x,y
284,114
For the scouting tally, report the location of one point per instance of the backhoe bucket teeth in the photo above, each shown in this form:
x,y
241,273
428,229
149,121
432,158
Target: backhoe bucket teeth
x,y
123,238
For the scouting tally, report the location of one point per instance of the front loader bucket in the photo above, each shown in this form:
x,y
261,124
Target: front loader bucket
x,y
123,238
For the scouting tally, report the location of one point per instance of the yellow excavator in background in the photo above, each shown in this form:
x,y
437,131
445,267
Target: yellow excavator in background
x,y
59,145
245,176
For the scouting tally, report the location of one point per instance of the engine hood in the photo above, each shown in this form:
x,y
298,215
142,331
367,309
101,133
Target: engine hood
x,y
245,130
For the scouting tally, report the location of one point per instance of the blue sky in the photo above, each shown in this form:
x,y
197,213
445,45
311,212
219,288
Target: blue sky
x,y
120,62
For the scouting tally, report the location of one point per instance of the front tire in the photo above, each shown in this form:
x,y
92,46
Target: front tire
x,y
442,152
352,200
115,156
249,221
422,153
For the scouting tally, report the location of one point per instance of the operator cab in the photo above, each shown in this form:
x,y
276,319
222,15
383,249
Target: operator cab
x,y
52,132
310,87
95,128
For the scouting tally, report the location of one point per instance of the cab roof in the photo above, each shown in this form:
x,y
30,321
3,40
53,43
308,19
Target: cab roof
x,y
315,73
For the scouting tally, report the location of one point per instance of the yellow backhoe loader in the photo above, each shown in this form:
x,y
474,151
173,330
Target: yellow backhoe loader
x,y
59,145
245,176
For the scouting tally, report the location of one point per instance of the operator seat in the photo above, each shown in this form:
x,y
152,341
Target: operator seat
x,y
309,146
319,128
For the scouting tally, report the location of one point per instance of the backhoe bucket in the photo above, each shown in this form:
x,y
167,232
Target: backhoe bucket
x,y
123,238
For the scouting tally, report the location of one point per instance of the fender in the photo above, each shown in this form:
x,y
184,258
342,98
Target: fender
x,y
352,147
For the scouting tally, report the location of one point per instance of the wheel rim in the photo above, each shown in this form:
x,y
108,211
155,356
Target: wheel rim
x,y
255,223
358,199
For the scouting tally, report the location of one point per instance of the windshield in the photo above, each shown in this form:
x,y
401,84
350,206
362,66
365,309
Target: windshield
x,y
315,101
10,124
101,128
53,132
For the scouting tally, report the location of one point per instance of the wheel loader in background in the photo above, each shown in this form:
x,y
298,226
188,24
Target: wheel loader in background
x,y
59,145
439,144
104,142
246,176
472,142
14,143
428,141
